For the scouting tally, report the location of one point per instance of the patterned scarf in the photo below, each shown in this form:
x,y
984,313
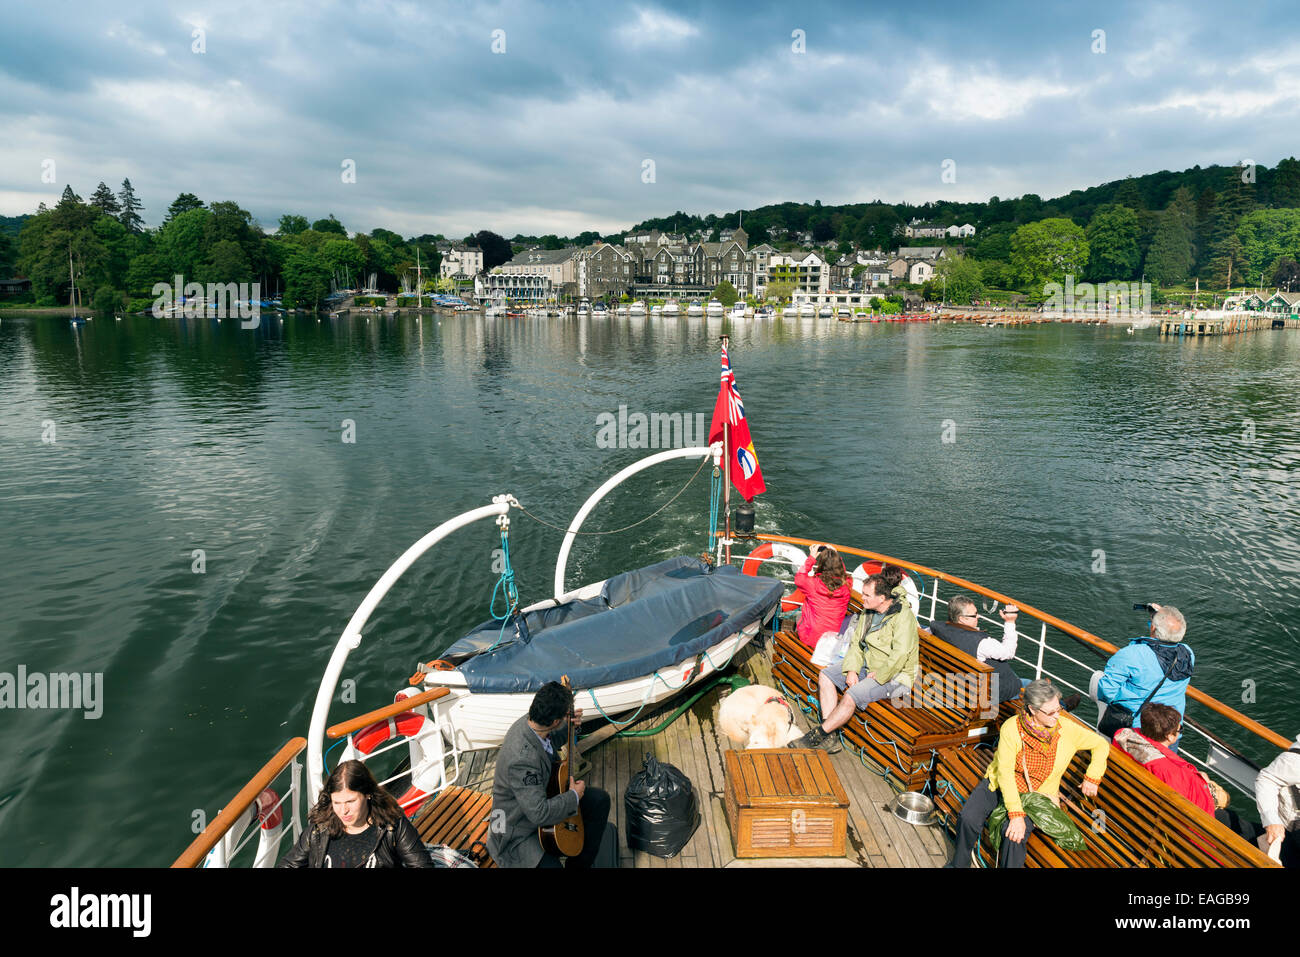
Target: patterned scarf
x,y
1039,746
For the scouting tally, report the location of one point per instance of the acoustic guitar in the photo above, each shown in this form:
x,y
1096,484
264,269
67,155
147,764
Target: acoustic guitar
x,y
565,838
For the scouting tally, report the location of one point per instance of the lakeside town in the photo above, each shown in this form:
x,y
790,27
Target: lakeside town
x,y
1208,244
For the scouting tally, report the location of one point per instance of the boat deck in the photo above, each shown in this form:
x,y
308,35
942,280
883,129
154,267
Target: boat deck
x,y
694,745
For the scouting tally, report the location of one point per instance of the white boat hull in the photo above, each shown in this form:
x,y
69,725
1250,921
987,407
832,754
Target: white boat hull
x,y
471,721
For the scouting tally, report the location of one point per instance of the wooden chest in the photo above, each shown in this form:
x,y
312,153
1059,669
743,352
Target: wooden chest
x,y
784,802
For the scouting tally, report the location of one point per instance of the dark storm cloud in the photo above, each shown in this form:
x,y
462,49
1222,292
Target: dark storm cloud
x,y
554,133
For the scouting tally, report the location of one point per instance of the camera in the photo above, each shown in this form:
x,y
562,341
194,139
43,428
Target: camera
x,y
1146,608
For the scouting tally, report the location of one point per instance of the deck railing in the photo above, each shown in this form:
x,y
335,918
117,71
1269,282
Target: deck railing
x,y
1205,748
229,832
443,753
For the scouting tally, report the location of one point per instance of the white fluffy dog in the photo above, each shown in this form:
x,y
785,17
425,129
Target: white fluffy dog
x,y
758,717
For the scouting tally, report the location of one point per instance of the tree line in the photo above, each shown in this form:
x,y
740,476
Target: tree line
x,y
116,261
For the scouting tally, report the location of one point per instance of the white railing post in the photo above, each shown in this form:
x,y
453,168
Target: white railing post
x,y
650,460
351,636
295,785
934,599
1042,644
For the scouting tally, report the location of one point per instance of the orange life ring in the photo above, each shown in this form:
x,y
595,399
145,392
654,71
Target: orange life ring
x,y
766,551
408,725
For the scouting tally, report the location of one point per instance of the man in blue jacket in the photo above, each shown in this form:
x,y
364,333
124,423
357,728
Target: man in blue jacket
x,y
1137,670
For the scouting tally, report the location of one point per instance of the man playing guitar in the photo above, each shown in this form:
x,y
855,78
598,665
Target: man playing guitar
x,y
528,759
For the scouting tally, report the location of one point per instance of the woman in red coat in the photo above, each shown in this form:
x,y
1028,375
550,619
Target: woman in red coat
x,y
1161,725
825,586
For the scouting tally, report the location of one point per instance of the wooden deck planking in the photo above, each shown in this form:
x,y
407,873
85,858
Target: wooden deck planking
x,y
695,746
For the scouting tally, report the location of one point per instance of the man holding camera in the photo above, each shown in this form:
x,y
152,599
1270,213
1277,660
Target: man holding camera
x,y
1156,668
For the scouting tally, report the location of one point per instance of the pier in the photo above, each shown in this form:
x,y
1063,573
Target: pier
x,y
1216,323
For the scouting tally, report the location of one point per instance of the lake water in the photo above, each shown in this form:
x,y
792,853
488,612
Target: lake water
x,y
125,448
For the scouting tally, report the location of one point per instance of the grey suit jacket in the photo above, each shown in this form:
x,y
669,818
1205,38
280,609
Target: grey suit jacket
x,y
519,802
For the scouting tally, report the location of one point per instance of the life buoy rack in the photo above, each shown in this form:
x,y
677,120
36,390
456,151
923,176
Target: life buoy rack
x,y
410,725
790,553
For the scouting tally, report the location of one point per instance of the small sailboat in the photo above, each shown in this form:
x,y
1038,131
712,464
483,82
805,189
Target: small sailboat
x,y
72,298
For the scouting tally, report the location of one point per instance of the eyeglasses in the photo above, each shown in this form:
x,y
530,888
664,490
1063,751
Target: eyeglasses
x,y
1048,714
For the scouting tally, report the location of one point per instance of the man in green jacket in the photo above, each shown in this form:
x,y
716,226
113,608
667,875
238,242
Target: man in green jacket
x,y
880,662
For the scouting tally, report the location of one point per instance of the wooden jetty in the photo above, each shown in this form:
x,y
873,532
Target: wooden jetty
x,y
1215,323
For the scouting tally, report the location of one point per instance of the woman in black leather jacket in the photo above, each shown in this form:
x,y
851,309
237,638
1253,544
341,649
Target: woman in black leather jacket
x,y
356,823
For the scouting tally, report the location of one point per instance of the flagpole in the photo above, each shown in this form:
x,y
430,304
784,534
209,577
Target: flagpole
x,y
726,472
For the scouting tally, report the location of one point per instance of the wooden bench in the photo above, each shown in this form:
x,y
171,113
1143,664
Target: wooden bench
x,y
904,739
1136,820
458,818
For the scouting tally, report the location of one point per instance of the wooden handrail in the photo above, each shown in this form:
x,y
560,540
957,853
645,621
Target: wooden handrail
x,y
198,850
383,714
1214,704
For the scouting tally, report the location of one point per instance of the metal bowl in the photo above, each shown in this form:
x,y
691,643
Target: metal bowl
x,y
913,807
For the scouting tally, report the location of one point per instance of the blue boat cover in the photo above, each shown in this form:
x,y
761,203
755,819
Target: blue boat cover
x,y
643,620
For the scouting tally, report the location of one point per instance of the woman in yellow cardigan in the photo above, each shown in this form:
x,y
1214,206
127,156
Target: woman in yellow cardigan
x,y
1034,749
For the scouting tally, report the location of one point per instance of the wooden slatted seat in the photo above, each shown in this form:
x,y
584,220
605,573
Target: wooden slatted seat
x,y
1136,820
903,739
458,818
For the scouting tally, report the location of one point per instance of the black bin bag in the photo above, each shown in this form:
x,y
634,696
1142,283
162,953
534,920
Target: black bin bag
x,y
662,812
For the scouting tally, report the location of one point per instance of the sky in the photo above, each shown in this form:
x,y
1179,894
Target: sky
x,y
566,116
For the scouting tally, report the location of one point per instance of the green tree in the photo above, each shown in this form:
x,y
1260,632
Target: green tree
x,y
781,291
330,225
181,243
342,256
726,294
61,241
1047,251
959,279
1170,258
227,262
291,225
184,203
994,243
104,200
1113,244
306,280
1266,235
1236,198
1285,190
1128,195
496,249
8,256
1286,274
130,215
145,269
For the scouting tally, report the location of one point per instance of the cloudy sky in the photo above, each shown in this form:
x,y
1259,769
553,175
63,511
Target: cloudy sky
x,y
536,118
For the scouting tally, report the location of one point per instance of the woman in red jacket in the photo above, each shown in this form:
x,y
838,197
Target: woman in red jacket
x,y
826,594
1161,725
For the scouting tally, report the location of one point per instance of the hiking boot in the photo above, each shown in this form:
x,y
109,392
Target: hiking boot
x,y
808,739
827,741
831,743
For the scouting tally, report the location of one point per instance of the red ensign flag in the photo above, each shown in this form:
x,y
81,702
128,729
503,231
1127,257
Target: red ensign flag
x,y
745,473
